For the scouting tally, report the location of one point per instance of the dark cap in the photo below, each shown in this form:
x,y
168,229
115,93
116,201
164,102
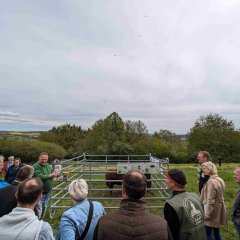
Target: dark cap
x,y
177,176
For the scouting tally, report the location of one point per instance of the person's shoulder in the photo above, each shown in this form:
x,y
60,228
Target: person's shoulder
x,y
46,225
74,211
197,195
110,216
36,164
69,211
3,185
48,166
10,187
97,204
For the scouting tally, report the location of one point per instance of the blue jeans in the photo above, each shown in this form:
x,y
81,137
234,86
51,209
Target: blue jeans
x,y
237,227
216,232
42,206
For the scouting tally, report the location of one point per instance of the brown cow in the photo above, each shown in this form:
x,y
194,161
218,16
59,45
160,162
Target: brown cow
x,y
112,174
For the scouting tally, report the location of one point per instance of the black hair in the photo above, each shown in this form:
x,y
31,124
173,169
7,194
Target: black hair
x,y
134,184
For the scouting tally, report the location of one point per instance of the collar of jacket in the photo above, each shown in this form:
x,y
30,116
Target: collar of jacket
x,y
133,205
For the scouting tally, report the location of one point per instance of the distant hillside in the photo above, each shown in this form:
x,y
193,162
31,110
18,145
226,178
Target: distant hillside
x,y
28,135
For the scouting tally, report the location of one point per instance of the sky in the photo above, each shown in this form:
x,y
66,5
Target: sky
x,y
165,63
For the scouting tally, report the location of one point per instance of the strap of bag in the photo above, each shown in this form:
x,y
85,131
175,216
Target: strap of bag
x,y
90,213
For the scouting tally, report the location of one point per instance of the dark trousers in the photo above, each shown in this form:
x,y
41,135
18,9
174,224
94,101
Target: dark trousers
x,y
216,233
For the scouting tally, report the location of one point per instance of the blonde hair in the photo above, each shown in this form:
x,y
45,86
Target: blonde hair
x,y
211,167
78,190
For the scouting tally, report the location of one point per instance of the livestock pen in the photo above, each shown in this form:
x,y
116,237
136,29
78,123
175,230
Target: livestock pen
x,y
93,169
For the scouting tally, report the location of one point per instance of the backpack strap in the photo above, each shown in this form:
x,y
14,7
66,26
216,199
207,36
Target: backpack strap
x,y
90,214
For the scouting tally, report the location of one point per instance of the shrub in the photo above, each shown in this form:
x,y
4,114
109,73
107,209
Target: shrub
x,y
29,151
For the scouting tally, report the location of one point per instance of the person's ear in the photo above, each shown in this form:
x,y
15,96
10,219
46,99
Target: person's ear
x,y
39,198
16,195
124,195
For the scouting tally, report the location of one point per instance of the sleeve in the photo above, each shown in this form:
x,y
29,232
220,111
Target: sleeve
x,y
46,232
38,173
211,196
172,219
66,229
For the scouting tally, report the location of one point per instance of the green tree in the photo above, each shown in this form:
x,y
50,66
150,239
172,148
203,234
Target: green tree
x,y
135,130
106,137
167,136
65,135
136,127
156,146
214,134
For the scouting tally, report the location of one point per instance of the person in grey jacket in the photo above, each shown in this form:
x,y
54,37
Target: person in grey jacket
x,y
236,204
22,223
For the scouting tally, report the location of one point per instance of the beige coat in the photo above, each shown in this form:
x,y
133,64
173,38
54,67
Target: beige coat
x,y
213,201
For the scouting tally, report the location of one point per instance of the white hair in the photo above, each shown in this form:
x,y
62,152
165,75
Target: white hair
x,y
78,189
11,158
1,157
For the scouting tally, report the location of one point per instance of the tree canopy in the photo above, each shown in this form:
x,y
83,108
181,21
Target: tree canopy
x,y
214,134
65,135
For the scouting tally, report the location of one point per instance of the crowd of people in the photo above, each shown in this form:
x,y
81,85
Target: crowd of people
x,y
187,215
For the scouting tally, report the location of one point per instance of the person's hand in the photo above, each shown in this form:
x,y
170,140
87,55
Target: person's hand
x,y
53,175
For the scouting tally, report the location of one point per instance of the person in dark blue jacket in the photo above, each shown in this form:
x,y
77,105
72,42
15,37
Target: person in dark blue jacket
x,y
13,170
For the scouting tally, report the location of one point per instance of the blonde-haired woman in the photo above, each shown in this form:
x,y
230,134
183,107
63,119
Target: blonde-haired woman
x,y
74,220
213,202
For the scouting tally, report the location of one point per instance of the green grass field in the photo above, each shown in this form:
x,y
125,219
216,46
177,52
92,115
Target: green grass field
x,y
225,172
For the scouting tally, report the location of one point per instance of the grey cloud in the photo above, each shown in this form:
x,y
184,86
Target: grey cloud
x,y
12,114
78,61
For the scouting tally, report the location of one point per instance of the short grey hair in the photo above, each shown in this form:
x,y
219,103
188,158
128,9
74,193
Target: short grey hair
x,y
11,158
211,166
78,190
1,157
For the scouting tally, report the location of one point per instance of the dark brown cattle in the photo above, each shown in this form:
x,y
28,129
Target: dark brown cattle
x,y
113,175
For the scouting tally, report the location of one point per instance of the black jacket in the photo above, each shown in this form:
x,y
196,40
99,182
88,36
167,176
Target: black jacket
x,y
12,173
8,200
236,209
202,180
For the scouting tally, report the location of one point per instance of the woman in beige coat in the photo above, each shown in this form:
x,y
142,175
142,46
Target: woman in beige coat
x,y
213,202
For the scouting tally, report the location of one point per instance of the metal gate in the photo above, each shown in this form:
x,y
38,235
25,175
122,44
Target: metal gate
x,y
93,168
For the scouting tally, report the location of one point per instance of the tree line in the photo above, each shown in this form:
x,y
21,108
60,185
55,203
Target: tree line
x,y
112,135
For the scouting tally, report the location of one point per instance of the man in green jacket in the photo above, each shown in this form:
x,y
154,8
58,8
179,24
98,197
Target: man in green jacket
x,y
183,211
44,171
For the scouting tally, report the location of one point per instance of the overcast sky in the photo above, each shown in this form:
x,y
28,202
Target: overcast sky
x,y
165,63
